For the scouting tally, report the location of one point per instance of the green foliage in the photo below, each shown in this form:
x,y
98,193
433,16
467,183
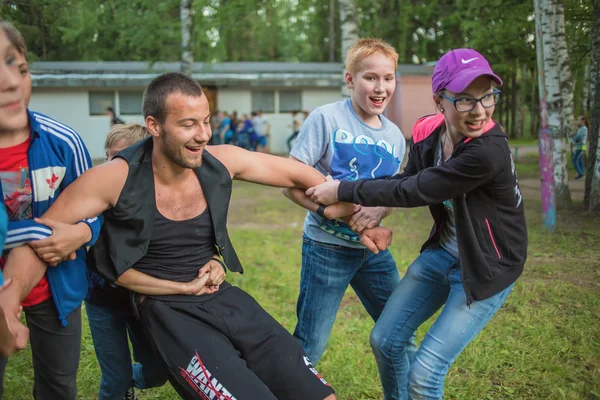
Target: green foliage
x,y
287,30
298,30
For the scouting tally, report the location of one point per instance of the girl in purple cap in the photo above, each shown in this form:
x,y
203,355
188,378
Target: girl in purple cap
x,y
461,167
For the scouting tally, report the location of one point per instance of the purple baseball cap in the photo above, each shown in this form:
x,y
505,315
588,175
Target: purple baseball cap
x,y
458,68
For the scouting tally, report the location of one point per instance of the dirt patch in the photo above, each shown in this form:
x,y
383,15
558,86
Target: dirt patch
x,y
581,273
531,188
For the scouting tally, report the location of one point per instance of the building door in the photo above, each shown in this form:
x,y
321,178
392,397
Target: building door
x,y
211,94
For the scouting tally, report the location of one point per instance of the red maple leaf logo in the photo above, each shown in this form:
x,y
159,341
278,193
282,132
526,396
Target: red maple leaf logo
x,y
52,181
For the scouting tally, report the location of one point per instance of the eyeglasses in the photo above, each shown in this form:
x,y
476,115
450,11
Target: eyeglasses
x,y
466,104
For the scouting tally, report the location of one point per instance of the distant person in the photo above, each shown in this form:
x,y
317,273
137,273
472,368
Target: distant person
x,y
234,120
245,136
215,122
580,141
262,127
226,131
296,124
114,120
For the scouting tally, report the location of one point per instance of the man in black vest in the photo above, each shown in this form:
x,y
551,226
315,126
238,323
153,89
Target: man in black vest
x,y
165,203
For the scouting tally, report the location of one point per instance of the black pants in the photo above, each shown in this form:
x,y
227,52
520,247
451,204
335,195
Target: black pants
x,y
55,351
229,348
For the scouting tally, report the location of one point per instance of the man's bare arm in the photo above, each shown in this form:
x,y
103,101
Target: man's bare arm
x,y
210,276
95,191
265,169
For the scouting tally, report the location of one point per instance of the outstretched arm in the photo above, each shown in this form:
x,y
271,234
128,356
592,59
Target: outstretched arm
x,y
266,169
473,167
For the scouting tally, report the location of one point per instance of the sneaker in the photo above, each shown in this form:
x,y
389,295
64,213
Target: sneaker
x,y
579,177
130,394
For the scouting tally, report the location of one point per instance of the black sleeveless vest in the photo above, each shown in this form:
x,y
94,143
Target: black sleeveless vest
x,y
127,227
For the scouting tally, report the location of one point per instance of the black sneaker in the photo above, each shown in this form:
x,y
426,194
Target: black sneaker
x,y
130,394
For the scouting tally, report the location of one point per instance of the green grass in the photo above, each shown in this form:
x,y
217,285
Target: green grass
x,y
543,344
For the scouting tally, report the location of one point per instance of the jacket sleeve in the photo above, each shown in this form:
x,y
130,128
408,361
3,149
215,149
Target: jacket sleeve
x,y
22,232
470,169
80,161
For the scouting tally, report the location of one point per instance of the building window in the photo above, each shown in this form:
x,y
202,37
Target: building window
x,y
290,101
263,100
130,103
99,101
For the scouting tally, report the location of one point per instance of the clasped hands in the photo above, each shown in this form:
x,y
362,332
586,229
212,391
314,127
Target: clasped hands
x,y
362,220
209,278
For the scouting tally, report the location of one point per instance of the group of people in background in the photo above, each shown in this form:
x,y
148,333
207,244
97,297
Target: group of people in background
x,y
154,219
248,132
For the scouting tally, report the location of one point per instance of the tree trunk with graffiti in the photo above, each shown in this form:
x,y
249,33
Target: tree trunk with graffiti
x,y
187,59
551,34
544,135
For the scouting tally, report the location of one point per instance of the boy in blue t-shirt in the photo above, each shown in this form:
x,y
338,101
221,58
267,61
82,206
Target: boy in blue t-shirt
x,y
349,140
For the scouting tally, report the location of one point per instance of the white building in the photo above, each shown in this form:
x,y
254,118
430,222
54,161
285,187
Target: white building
x,y
77,93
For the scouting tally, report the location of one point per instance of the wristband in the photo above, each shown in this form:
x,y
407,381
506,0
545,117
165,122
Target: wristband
x,y
321,210
222,264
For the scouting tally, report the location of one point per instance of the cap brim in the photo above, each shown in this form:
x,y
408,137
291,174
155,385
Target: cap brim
x,y
459,84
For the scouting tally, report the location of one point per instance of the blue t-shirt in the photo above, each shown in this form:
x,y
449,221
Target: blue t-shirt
x,y
335,141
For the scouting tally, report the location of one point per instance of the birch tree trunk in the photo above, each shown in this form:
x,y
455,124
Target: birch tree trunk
x,y
544,134
565,76
185,14
349,28
331,22
593,171
551,43
585,95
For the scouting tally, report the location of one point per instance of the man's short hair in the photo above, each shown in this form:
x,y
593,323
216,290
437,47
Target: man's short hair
x,y
365,48
112,110
155,95
14,37
130,132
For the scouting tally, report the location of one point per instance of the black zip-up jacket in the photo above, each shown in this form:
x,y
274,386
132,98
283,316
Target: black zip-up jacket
x,y
481,180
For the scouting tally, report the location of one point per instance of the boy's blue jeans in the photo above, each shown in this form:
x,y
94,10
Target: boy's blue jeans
x,y
110,328
433,280
327,270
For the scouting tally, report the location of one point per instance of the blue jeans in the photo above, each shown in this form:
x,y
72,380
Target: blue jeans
x,y
109,329
579,162
327,270
432,280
